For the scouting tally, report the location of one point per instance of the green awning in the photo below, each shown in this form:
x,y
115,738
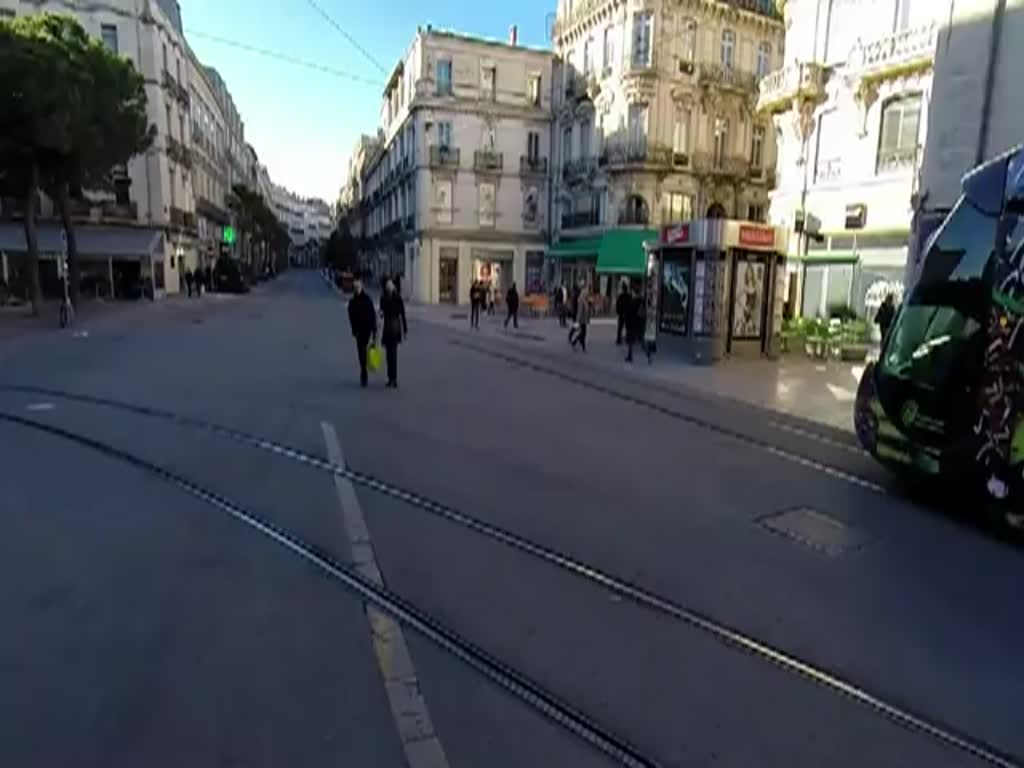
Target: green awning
x,y
622,251
574,249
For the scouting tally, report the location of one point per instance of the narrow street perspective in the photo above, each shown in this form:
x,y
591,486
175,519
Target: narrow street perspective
x,y
586,383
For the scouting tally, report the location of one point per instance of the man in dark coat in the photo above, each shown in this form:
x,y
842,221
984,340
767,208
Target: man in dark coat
x,y
475,299
188,281
208,278
622,307
363,319
885,315
512,302
395,326
636,322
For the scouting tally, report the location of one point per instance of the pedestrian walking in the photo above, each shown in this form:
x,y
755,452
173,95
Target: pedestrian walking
x,y
489,294
363,319
475,299
189,277
512,304
198,277
623,304
886,313
579,334
636,325
394,328
208,278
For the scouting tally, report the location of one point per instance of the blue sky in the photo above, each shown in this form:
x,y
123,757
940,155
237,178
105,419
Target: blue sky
x,y
303,123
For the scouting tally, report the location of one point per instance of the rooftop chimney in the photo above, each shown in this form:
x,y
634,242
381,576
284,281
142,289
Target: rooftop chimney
x,y
513,35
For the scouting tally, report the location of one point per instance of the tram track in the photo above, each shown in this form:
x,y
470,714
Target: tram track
x,y
720,631
697,421
516,683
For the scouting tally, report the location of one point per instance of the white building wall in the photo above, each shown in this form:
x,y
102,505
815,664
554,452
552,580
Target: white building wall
x,y
859,60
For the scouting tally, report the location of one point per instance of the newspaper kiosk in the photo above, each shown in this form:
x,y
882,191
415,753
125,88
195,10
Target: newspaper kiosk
x,y
715,288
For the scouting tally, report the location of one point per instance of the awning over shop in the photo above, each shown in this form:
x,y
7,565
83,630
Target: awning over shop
x,y
622,251
93,242
564,250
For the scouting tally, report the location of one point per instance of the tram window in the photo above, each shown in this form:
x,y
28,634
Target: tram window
x,y
963,247
944,315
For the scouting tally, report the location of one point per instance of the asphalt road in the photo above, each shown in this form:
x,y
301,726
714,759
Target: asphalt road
x,y
142,626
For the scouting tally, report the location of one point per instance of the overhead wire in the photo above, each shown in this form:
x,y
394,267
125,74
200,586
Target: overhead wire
x,y
283,57
355,43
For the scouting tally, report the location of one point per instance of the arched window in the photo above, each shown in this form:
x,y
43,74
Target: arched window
x,y
635,211
728,48
898,137
716,211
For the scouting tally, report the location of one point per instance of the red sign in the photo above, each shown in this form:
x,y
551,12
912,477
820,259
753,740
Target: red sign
x,y
677,234
759,237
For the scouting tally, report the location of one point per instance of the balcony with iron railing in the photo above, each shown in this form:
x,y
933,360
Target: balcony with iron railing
x,y
726,167
729,78
896,54
488,161
442,156
579,169
638,152
580,219
828,171
777,90
529,164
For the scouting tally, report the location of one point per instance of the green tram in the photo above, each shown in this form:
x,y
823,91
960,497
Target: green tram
x,y
946,397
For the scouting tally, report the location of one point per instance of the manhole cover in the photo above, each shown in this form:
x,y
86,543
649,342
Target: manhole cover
x,y
815,530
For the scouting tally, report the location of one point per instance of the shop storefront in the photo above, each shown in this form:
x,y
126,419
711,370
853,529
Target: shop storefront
x,y
494,268
856,280
715,288
602,263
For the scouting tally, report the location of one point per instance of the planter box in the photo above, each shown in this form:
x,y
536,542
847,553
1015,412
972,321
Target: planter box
x,y
854,353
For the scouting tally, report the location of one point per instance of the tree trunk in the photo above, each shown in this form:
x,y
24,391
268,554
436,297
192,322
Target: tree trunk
x,y
31,239
74,266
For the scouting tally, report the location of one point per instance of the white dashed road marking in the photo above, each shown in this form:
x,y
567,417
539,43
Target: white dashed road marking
x,y
40,407
421,745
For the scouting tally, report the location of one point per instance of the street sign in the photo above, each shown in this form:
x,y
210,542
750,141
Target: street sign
x,y
229,235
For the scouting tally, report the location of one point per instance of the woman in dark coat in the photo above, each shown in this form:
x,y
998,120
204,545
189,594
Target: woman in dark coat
x,y
395,326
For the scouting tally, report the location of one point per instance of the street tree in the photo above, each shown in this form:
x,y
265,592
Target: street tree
x,y
40,93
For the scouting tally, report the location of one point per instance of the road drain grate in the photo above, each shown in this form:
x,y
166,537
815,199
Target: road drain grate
x,y
814,530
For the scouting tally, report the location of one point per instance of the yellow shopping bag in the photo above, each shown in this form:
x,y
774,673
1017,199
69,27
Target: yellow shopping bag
x,y
373,357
